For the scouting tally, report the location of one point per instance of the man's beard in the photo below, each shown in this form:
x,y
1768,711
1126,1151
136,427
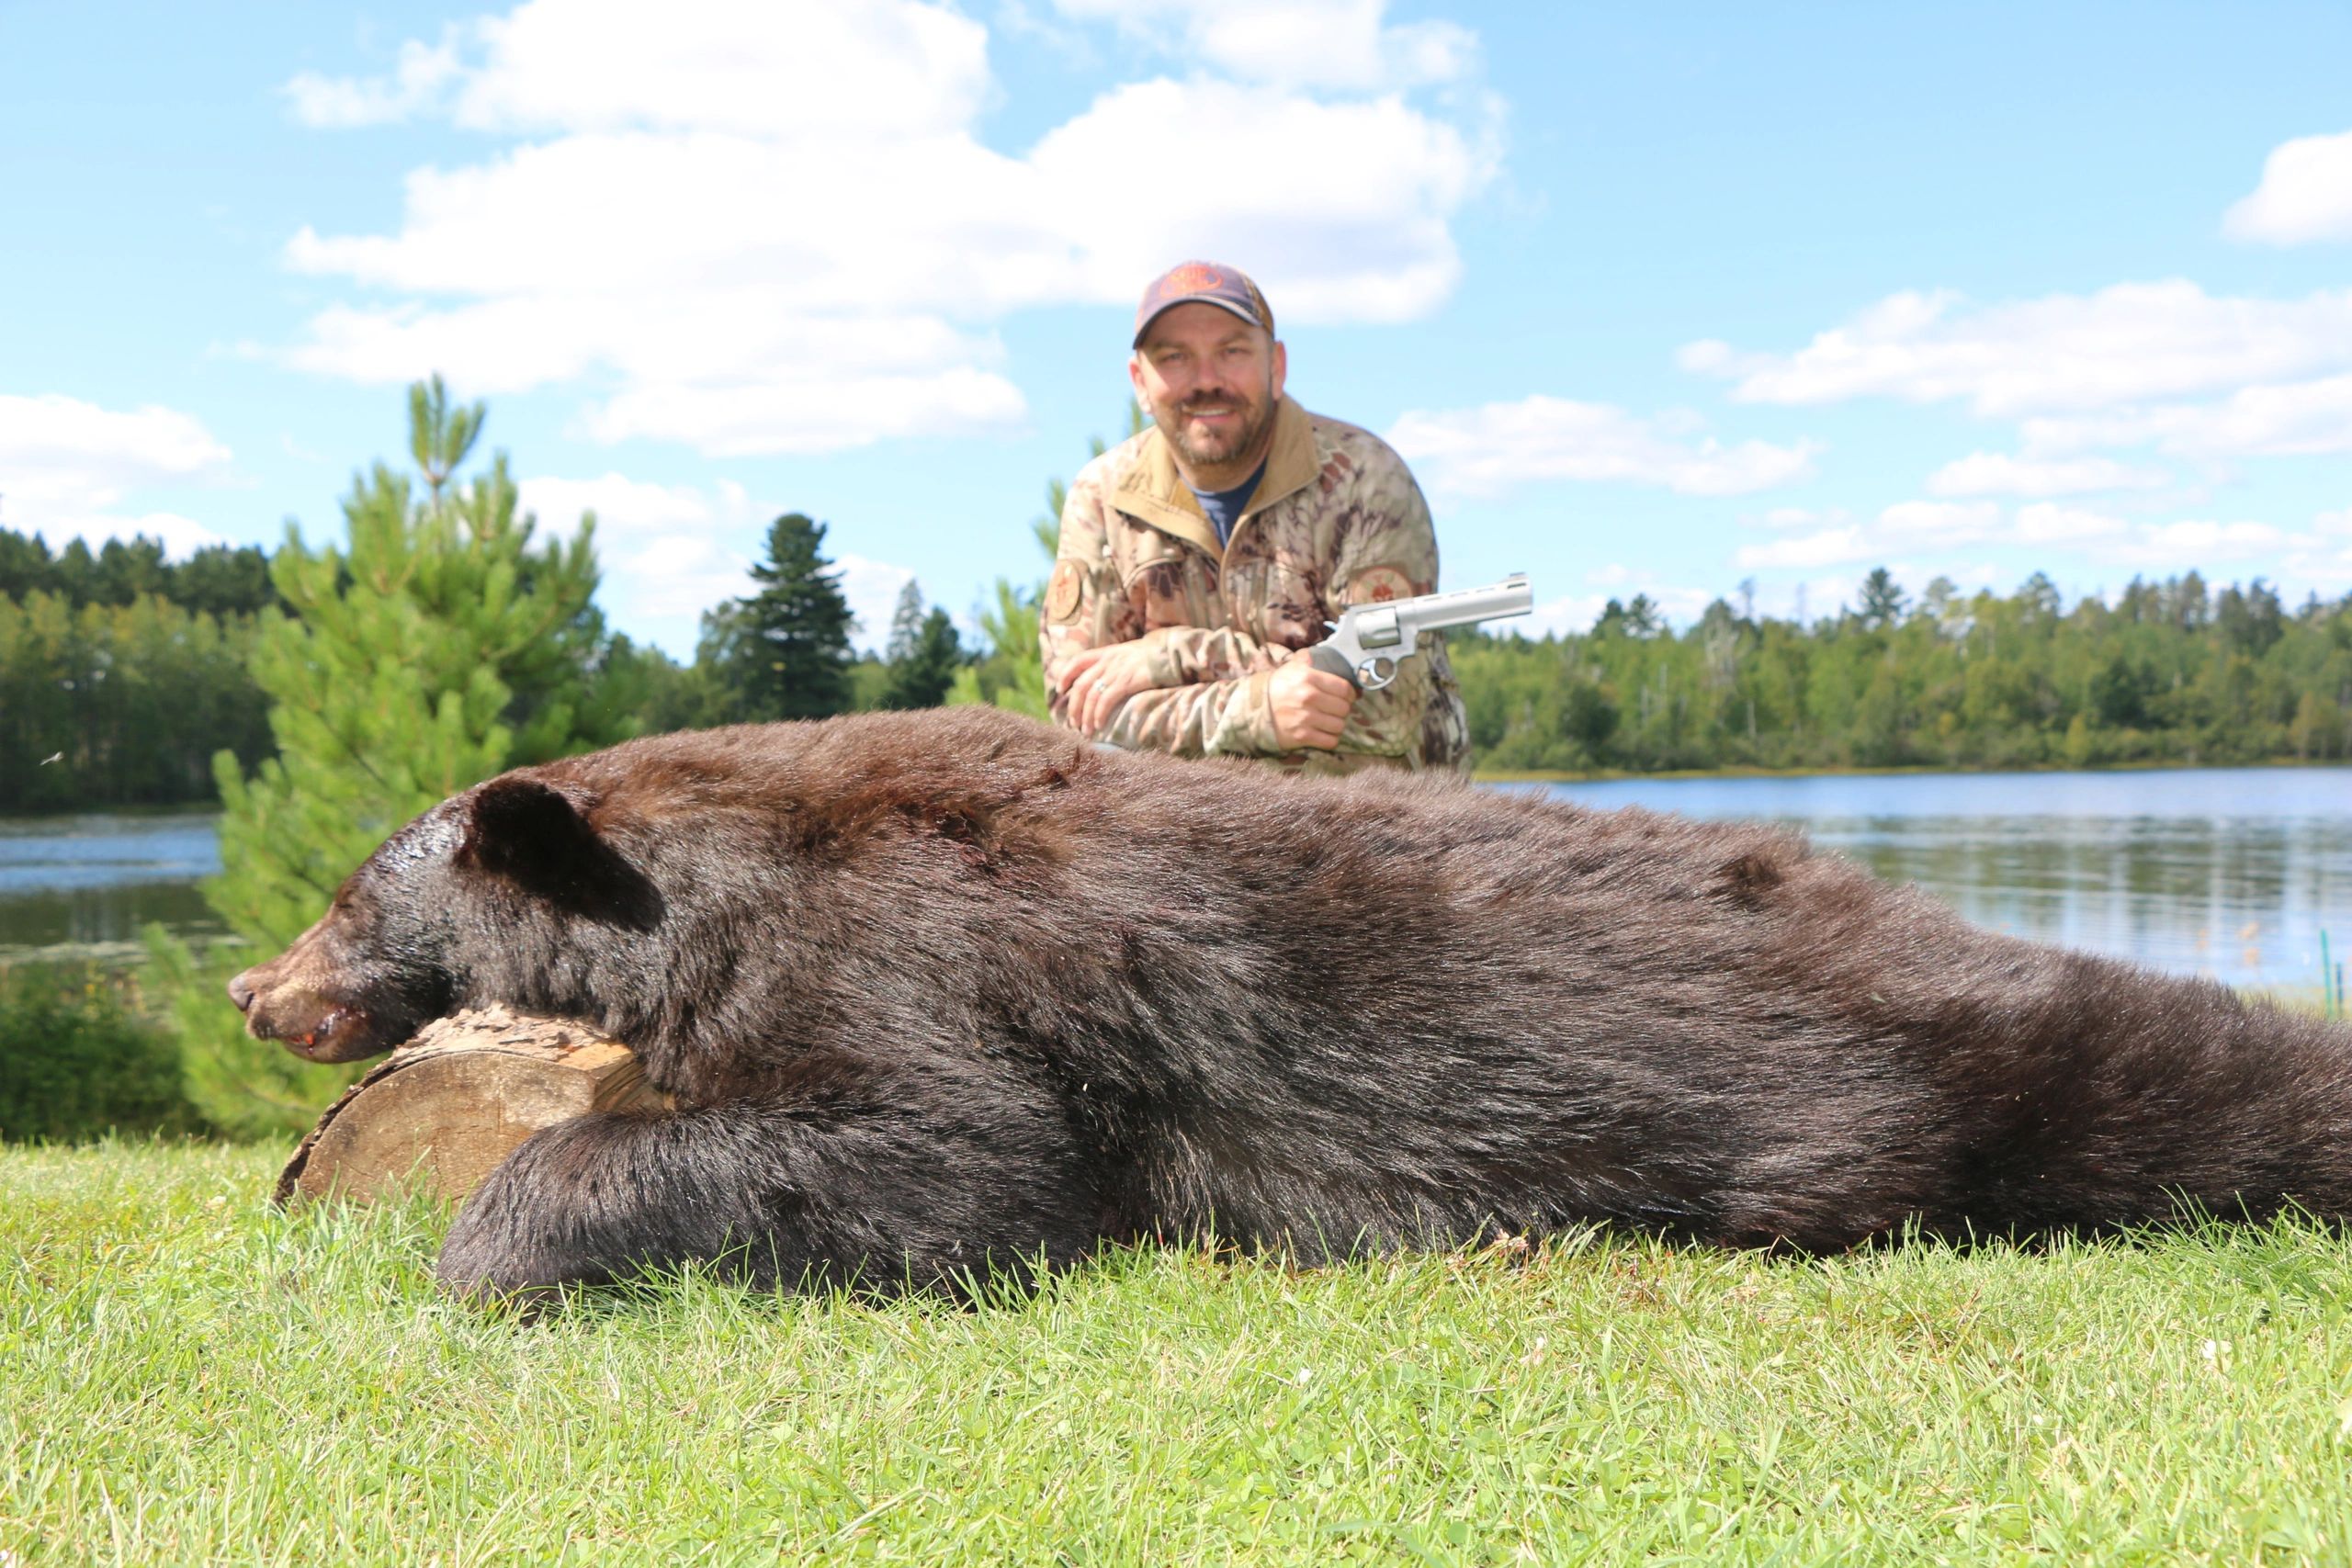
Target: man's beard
x,y
1215,449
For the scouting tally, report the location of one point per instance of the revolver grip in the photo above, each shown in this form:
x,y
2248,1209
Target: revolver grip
x,y
1331,660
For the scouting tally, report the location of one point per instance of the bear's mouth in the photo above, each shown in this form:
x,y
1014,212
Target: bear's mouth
x,y
340,1035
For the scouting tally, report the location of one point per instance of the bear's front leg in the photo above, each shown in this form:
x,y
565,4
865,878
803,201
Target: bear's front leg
x,y
930,1175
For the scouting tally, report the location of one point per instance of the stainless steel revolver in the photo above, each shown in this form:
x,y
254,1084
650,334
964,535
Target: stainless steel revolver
x,y
1368,640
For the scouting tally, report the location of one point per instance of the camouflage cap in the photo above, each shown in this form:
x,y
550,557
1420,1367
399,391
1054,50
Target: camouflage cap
x,y
1206,283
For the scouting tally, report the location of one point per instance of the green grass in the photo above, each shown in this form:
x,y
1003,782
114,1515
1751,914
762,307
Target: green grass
x,y
186,1376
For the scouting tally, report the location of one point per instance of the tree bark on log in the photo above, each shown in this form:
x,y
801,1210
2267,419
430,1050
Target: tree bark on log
x,y
440,1112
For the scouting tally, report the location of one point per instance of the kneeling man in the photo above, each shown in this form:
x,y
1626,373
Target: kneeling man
x,y
1197,559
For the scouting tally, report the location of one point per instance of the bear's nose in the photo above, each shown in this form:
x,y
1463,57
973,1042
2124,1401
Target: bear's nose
x,y
241,991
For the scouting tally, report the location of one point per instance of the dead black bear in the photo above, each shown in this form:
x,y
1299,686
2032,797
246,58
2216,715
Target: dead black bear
x,y
945,993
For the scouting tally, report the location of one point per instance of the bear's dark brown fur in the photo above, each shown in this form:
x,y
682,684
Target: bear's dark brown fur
x,y
944,992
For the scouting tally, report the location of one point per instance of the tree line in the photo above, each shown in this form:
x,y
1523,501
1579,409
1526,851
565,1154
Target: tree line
x,y
2171,672
218,580
113,700
123,673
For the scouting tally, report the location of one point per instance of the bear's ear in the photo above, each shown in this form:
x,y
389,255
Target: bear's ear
x,y
539,839
524,829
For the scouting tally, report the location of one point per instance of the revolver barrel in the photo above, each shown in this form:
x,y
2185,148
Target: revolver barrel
x,y
1370,638
1465,606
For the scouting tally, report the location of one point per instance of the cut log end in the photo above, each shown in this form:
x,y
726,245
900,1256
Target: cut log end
x,y
439,1113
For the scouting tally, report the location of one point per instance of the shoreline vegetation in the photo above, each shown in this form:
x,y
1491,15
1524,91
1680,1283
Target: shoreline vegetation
x,y
123,677
2171,674
1913,770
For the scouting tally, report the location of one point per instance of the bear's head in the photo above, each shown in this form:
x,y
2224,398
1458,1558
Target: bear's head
x,y
448,897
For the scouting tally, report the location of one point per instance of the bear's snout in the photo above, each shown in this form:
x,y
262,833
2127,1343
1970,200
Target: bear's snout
x,y
316,1028
289,1001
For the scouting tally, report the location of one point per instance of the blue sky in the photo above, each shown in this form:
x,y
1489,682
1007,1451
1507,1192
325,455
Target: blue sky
x,y
1653,299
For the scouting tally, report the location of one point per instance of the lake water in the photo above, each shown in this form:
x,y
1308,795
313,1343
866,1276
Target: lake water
x,y
2228,871
2233,873
82,887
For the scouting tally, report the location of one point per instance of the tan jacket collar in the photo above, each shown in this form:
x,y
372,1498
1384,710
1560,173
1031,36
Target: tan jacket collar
x,y
1154,491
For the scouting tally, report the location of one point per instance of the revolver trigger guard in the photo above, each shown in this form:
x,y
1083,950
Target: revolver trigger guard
x,y
1375,672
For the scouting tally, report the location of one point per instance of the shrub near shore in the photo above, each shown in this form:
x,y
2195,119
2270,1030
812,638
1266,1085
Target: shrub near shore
x,y
80,1057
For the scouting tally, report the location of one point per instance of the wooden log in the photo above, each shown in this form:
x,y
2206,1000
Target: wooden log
x,y
440,1112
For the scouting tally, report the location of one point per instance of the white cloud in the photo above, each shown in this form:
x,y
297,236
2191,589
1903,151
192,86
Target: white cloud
x,y
1917,532
66,468
1499,447
2296,418
1787,519
2123,346
1907,525
2305,194
799,414
1826,547
419,82
2322,558
51,433
786,69
1819,596
1310,43
2177,547
1564,617
2000,473
2047,523
1938,523
872,588
773,228
670,552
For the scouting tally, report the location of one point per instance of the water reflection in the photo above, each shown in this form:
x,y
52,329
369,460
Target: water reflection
x,y
89,884
2231,872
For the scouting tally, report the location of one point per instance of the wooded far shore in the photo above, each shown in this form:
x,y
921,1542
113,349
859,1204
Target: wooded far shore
x,y
124,676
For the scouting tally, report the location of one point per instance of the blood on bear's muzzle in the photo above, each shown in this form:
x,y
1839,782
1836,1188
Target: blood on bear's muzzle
x,y
312,1026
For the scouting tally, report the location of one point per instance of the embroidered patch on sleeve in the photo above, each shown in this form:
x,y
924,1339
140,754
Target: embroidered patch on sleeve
x,y
1062,593
1377,585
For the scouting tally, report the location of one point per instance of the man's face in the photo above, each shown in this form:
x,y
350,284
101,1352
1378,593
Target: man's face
x,y
1211,381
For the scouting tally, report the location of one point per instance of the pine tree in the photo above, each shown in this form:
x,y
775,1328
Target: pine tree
x,y
906,625
784,650
933,657
439,648
1883,599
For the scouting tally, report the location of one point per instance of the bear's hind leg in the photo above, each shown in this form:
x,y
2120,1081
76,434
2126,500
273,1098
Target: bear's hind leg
x,y
885,1180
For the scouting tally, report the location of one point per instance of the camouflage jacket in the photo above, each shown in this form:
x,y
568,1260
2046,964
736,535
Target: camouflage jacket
x,y
1337,520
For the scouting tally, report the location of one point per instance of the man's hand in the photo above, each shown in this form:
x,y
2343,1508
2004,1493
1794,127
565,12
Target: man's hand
x,y
1100,679
1310,704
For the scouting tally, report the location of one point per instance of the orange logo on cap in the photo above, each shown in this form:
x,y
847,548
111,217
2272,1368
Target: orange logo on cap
x,y
1193,277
